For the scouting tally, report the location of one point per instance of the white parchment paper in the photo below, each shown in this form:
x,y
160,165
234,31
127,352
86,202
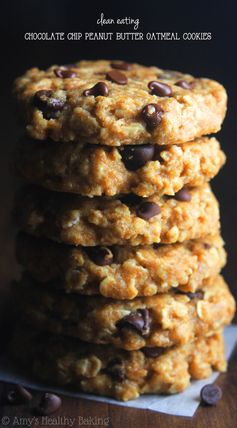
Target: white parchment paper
x,y
182,404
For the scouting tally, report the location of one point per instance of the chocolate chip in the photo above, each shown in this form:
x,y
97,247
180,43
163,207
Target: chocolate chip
x,y
18,395
148,210
101,256
184,84
169,74
152,115
99,89
160,89
117,77
152,352
116,369
156,246
42,95
183,195
121,66
64,73
158,150
211,394
207,246
138,320
49,403
196,295
48,103
134,157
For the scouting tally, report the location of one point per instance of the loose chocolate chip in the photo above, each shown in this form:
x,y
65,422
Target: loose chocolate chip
x,y
48,103
116,369
130,200
121,66
148,210
196,295
49,403
117,77
99,89
184,84
18,395
152,352
183,195
152,115
138,320
134,157
64,74
211,394
101,256
160,89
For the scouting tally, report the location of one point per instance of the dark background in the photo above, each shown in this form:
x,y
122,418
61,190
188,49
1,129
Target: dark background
x,y
215,59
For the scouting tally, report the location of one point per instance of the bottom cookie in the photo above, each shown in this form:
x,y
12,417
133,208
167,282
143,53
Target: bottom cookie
x,y
106,370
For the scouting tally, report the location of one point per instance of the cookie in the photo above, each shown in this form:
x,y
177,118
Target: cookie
x,y
101,103
121,272
95,171
130,220
106,370
162,320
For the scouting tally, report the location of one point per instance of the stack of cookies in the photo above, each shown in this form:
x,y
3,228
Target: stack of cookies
x,y
119,229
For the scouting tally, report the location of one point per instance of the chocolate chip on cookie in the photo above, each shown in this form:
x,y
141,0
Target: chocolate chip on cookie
x,y
169,74
101,256
196,295
152,115
160,89
134,157
64,73
121,66
183,195
115,368
206,245
117,77
157,153
148,210
184,84
154,352
49,103
138,320
99,89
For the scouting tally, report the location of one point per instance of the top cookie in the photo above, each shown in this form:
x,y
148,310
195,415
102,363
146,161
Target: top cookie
x,y
115,103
